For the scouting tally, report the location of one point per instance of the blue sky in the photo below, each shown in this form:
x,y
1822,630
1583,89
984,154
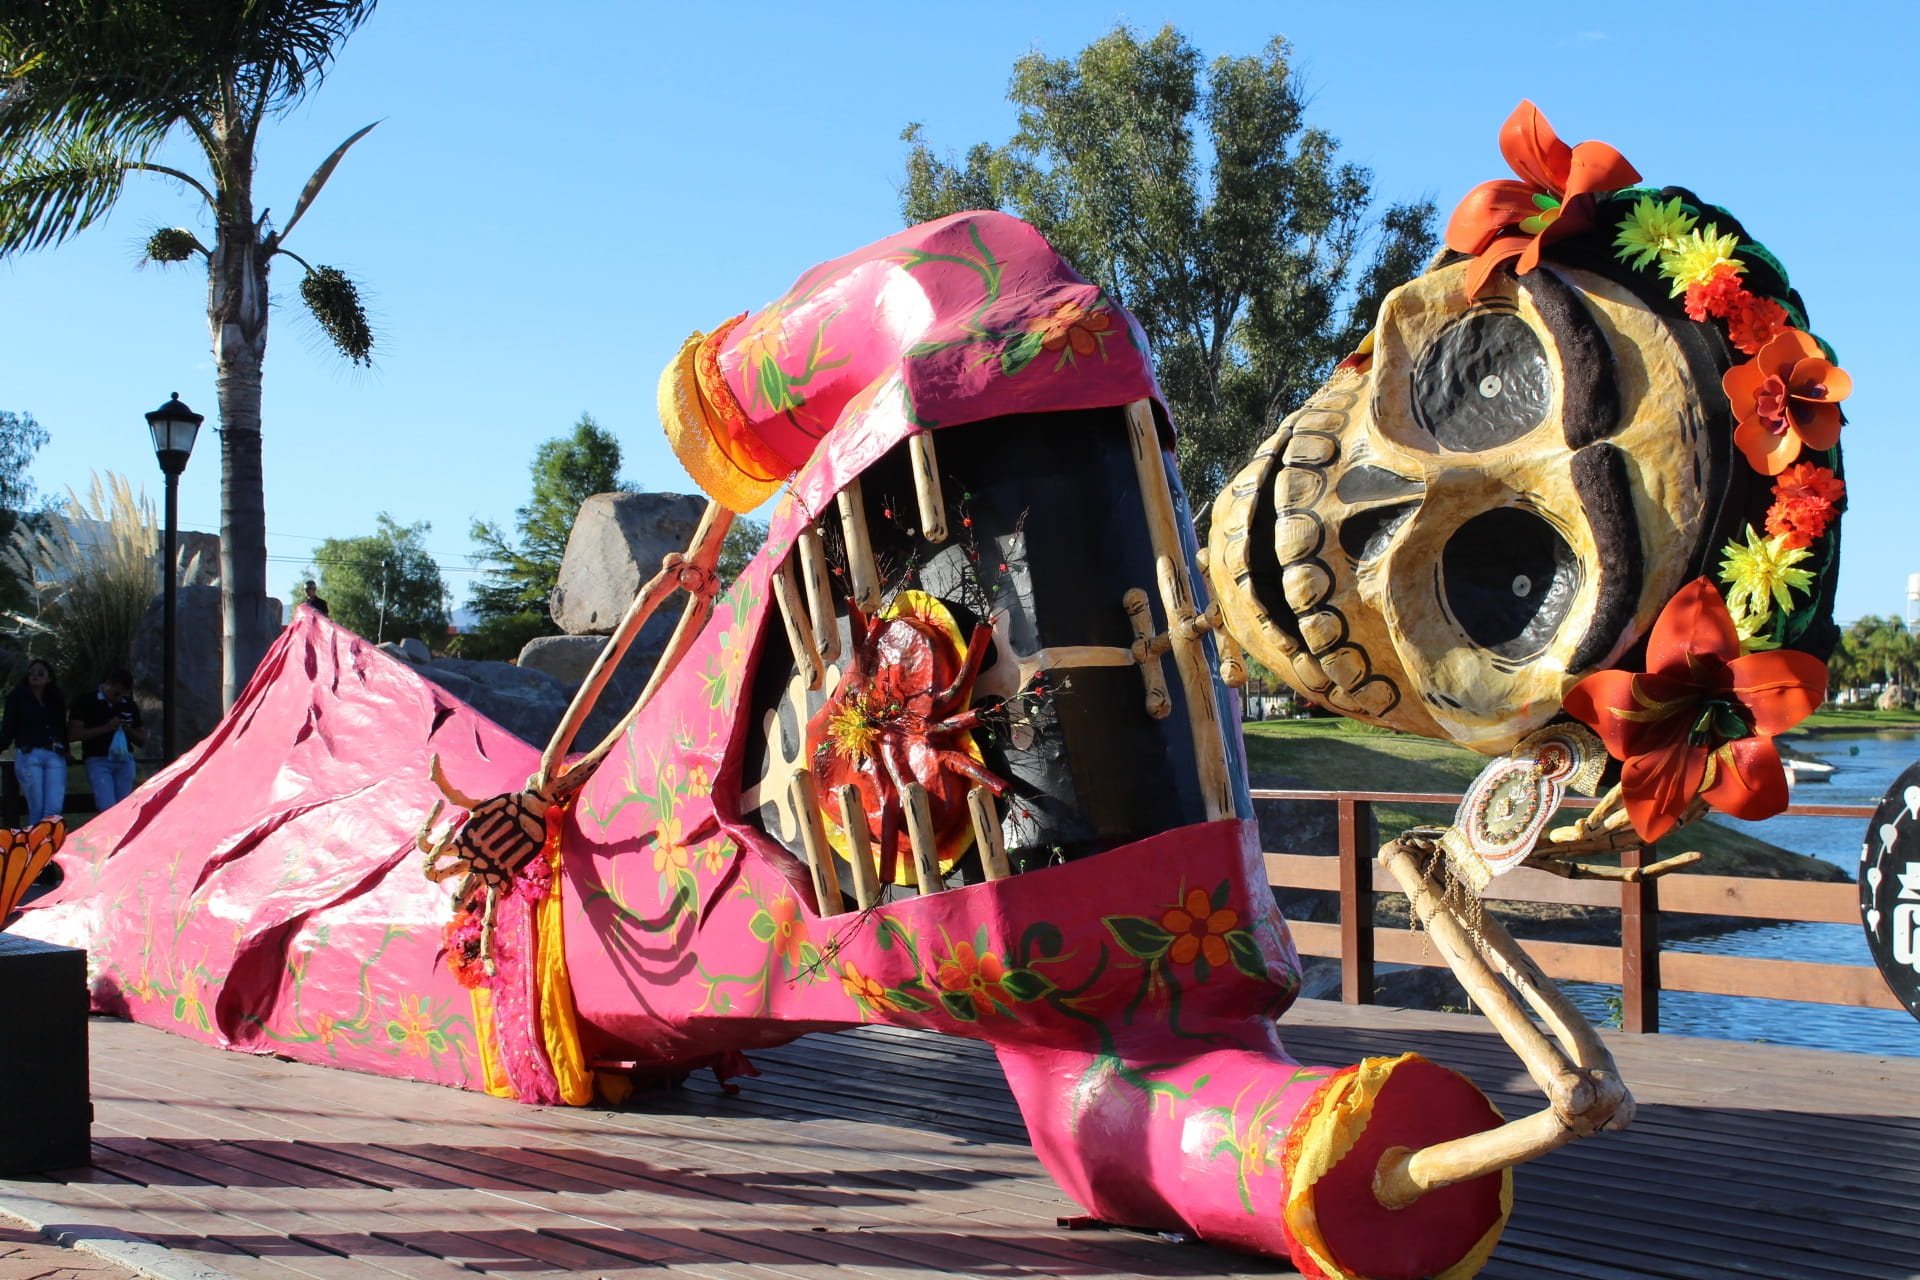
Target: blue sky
x,y
548,207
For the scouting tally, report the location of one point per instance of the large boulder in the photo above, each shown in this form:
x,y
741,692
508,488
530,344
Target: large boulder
x,y
197,705
408,649
617,543
521,700
570,659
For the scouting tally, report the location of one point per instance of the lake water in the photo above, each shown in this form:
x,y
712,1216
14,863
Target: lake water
x,y
1865,765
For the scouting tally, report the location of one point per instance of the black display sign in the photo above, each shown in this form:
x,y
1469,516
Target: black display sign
x,y
1890,888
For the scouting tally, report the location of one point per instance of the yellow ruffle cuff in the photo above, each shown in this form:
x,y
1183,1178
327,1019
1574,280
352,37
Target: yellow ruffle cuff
x,y
709,430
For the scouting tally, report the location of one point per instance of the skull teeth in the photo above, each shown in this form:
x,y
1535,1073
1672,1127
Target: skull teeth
x,y
1306,585
1298,538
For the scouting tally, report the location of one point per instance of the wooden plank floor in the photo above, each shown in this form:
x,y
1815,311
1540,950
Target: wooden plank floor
x,y
890,1153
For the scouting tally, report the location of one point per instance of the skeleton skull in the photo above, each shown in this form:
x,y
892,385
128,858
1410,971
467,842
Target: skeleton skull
x,y
1492,499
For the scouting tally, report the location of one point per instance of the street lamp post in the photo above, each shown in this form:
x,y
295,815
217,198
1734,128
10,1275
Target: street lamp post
x,y
173,426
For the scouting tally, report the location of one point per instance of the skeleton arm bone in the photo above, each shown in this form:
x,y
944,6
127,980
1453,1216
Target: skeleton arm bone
x,y
1574,1069
694,571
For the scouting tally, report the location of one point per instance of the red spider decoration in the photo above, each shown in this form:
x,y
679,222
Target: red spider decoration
x,y
900,715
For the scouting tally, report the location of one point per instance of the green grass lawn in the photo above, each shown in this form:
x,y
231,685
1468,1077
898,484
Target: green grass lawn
x,y
1344,755
1864,719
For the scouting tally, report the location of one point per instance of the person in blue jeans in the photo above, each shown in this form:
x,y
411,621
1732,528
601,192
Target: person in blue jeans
x,y
96,719
35,726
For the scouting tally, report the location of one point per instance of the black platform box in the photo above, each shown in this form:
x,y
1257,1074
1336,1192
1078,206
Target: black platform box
x,y
46,1111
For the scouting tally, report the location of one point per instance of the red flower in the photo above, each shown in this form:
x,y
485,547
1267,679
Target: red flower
x,y
1806,500
1700,721
1555,197
1754,322
1718,296
1786,398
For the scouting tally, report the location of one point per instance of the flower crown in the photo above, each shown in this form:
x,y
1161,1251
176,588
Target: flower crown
x,y
1700,721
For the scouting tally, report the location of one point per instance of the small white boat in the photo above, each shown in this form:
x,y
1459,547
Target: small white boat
x,y
1804,768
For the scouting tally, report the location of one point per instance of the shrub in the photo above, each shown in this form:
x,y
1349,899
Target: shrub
x,y
94,567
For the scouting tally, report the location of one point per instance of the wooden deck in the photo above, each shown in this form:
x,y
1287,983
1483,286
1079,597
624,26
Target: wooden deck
x,y
890,1153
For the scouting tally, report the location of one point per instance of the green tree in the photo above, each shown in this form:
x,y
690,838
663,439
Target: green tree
x,y
1875,650
385,585
90,91
1205,204
743,542
20,439
520,574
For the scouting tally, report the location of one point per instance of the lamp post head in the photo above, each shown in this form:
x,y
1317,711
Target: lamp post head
x,y
173,426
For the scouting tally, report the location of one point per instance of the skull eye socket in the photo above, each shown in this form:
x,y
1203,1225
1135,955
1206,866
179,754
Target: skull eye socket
x,y
1483,382
1510,580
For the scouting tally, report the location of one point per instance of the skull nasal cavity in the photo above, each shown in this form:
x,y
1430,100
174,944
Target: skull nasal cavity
x,y
1510,580
1483,382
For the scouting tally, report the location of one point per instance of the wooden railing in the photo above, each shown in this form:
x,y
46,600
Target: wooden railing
x,y
1638,965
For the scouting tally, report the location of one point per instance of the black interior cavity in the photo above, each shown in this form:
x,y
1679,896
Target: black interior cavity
x,y
1510,581
1483,382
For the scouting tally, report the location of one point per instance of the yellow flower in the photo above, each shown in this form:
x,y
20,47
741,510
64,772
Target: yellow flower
x,y
1697,256
1747,628
669,853
1650,230
851,731
1760,571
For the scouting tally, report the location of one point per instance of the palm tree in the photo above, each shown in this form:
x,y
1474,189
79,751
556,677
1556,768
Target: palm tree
x,y
90,90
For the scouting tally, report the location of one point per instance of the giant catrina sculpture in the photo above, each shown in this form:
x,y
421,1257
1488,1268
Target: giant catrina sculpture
x,y
955,750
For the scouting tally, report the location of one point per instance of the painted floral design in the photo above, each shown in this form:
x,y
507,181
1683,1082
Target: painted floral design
x,y
1072,330
1199,929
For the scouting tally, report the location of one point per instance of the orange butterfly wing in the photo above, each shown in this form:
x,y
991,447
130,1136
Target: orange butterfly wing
x,y
22,855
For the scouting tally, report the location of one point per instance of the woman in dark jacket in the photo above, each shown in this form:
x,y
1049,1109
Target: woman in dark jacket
x,y
36,727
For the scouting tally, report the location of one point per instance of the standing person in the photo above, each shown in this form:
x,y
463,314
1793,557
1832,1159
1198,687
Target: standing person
x,y
35,725
313,600
96,719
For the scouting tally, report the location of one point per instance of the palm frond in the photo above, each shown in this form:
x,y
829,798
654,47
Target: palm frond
x,y
282,48
44,200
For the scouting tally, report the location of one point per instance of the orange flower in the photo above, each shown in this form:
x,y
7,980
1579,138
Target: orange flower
x,y
977,975
866,990
1198,929
1786,398
1806,500
789,930
1071,323
1555,197
1701,719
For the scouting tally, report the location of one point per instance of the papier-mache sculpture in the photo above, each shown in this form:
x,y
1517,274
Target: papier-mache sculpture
x,y
956,750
